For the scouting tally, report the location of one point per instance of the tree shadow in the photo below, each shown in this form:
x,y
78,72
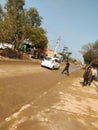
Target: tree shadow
x,y
81,82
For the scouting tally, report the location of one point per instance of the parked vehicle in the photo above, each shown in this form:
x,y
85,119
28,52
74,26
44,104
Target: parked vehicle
x,y
51,62
5,45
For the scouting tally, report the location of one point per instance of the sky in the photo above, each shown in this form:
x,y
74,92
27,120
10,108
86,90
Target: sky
x,y
69,23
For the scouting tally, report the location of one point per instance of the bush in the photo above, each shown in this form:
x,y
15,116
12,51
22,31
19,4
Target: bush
x,y
10,53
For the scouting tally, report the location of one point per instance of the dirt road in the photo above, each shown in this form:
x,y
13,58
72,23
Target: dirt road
x,y
35,98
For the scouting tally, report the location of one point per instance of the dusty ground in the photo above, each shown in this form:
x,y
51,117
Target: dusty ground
x,y
65,106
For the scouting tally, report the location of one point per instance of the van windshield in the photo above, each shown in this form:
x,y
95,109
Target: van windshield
x,y
47,58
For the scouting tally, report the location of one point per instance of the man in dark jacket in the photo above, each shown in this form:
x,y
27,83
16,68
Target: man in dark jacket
x,y
87,76
66,69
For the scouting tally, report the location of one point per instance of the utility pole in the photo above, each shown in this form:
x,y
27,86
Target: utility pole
x,y
57,43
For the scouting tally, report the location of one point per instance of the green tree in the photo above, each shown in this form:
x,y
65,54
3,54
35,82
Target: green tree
x,y
1,24
96,48
37,36
18,24
1,13
33,17
13,18
88,53
89,56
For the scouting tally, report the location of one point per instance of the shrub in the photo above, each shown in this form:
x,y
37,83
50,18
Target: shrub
x,y
10,53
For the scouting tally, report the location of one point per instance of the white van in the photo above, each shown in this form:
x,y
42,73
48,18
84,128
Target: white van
x,y
51,62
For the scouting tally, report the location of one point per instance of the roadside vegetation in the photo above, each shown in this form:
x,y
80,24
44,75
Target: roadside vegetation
x,y
19,25
90,52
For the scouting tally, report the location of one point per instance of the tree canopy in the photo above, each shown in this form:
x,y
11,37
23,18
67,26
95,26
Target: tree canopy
x,y
90,52
18,24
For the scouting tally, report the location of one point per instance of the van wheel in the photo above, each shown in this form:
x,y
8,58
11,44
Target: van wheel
x,y
53,68
59,68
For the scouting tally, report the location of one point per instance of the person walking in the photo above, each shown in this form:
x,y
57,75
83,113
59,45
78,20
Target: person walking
x,y
87,76
66,69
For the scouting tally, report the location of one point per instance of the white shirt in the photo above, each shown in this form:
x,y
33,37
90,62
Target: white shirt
x,y
93,71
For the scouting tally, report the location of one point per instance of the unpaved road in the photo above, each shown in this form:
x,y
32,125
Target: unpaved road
x,y
36,98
